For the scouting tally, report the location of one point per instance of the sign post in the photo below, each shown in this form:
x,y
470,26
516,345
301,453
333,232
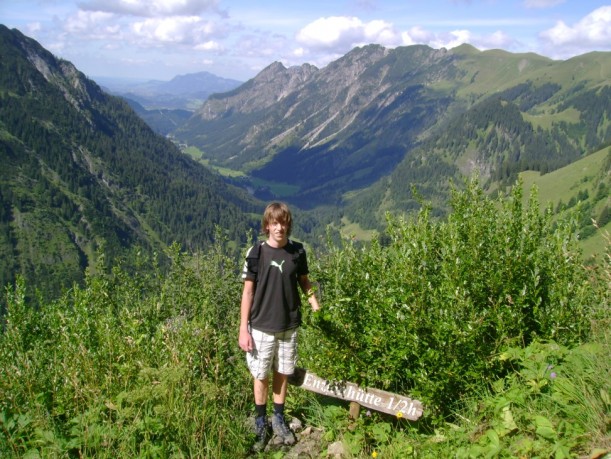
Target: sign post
x,y
375,399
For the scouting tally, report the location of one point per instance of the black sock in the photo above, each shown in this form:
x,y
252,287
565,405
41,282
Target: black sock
x,y
279,408
260,410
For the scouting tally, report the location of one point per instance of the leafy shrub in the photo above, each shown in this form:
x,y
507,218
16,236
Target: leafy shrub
x,y
131,365
428,313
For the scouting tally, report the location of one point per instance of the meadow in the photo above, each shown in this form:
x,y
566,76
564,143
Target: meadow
x,y
488,317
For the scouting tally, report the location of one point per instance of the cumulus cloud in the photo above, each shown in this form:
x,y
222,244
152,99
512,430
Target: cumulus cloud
x,y
451,39
343,33
337,34
329,38
416,35
593,31
151,8
186,30
91,25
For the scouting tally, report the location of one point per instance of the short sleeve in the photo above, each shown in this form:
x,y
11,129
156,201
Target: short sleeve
x,y
302,261
250,267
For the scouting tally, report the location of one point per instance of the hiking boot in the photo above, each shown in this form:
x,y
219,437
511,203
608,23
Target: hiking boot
x,y
261,432
281,430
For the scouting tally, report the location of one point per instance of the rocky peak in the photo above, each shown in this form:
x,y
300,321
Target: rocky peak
x,y
75,87
271,85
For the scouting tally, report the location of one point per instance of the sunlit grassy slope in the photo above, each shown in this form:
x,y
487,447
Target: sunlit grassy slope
x,y
562,185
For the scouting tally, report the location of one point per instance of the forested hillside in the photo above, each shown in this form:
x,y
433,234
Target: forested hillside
x,y
83,176
495,141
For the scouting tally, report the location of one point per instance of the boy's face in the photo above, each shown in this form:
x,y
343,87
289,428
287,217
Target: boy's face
x,y
277,232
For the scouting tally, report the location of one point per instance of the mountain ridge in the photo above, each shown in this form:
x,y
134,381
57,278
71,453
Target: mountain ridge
x,y
344,127
182,92
84,175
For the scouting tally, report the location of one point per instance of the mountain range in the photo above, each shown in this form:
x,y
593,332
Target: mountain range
x,y
166,105
183,92
86,181
368,129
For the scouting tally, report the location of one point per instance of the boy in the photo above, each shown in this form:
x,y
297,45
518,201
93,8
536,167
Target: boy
x,y
270,316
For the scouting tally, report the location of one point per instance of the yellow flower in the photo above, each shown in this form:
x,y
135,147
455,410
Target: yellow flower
x,y
400,414
374,454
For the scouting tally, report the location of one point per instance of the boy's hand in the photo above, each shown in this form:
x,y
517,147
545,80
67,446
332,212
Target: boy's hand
x,y
245,341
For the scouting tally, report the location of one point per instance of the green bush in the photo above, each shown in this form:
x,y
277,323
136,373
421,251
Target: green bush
x,y
427,314
142,365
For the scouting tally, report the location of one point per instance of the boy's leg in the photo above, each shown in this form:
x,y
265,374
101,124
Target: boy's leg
x,y
261,390
279,387
259,363
284,365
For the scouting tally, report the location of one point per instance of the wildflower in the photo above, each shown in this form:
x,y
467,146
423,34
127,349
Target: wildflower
x,y
374,454
553,375
400,414
368,413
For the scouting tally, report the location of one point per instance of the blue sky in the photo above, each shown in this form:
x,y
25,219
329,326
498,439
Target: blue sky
x,y
159,39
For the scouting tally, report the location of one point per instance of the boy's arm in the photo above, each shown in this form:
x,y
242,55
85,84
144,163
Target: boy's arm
x,y
306,287
248,295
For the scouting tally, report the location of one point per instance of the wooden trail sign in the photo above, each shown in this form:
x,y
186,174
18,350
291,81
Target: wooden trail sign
x,y
375,399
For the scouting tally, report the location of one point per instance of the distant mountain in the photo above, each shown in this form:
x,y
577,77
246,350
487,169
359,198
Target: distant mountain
x,y
83,175
361,131
162,120
183,92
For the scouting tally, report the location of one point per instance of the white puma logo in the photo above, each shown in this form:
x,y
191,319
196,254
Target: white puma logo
x,y
279,266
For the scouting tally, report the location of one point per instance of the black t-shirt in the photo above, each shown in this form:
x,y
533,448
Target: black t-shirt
x,y
276,305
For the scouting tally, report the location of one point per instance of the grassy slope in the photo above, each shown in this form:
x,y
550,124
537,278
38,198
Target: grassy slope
x,y
495,70
564,184
560,185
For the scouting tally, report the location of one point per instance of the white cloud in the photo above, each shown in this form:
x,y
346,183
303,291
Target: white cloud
x,y
169,30
299,52
498,39
416,35
261,45
328,32
593,31
208,46
91,24
342,33
328,38
380,32
451,39
185,30
151,8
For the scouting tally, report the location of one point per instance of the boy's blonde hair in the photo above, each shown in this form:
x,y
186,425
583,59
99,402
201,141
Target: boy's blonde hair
x,y
277,211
